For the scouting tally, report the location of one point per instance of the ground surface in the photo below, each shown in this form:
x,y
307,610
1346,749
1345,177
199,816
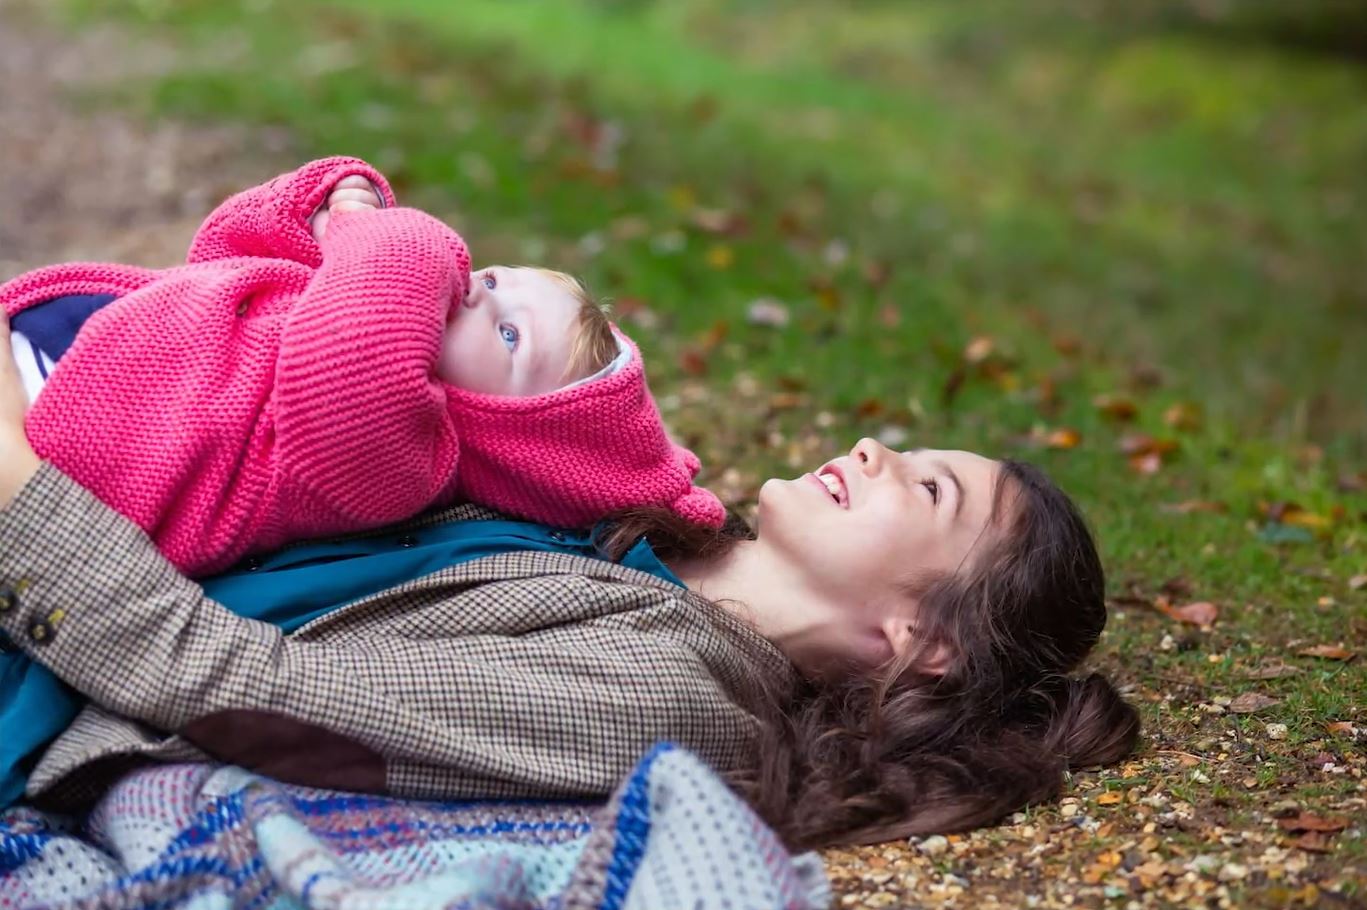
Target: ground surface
x,y
1163,310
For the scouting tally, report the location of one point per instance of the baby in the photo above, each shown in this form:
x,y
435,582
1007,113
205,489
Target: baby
x,y
326,363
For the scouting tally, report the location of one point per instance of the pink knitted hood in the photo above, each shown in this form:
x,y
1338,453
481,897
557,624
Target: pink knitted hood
x,y
571,456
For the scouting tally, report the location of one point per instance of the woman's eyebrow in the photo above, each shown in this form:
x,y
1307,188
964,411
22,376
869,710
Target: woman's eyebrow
x,y
954,478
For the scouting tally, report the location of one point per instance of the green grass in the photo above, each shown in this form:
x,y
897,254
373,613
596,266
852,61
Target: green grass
x,y
1147,205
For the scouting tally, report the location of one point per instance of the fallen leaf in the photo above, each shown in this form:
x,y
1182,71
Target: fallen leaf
x,y
693,362
1252,702
1186,507
1309,821
1342,728
1115,408
1352,483
1063,438
1315,842
889,316
1327,652
1067,345
768,312
719,221
869,407
1357,581
1144,444
720,256
1110,799
1200,613
1272,671
1182,416
978,349
1147,464
786,401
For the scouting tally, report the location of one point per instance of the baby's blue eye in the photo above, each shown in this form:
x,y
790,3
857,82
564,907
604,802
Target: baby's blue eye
x,y
489,281
510,335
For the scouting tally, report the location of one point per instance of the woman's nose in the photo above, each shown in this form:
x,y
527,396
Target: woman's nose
x,y
868,455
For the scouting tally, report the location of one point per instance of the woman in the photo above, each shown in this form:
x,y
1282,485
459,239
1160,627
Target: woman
x,y
886,657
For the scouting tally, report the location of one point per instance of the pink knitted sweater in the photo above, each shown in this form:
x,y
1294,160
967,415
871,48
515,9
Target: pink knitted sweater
x,y
275,389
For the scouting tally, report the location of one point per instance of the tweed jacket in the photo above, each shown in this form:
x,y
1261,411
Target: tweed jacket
x,y
519,675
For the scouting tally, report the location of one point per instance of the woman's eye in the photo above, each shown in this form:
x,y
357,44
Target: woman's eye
x,y
934,489
510,335
489,281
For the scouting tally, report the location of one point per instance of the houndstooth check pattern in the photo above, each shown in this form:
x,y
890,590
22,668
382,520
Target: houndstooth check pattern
x,y
520,675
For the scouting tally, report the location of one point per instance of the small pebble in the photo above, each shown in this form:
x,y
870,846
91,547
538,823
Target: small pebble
x,y
1068,810
1232,872
1276,731
935,845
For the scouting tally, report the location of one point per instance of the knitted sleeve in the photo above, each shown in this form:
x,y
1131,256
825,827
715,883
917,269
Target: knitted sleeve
x,y
361,419
272,219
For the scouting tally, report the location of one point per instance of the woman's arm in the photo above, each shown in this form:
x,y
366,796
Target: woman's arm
x,y
275,218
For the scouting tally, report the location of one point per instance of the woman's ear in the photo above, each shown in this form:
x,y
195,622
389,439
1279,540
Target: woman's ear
x,y
934,658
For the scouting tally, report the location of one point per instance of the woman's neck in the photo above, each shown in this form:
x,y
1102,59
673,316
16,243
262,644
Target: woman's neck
x,y
752,583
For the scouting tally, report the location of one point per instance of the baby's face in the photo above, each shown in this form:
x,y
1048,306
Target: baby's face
x,y
512,336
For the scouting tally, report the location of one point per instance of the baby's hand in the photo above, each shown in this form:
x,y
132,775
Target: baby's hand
x,y
351,194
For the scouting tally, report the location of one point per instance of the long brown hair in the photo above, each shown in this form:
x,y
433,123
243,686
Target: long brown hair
x,y
879,756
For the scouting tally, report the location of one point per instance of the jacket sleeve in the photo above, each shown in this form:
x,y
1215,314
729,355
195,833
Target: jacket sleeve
x,y
361,419
272,220
415,713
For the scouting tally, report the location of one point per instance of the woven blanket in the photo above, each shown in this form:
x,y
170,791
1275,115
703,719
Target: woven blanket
x,y
211,836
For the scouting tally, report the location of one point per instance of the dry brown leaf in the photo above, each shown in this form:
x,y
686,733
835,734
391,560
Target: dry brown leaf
x,y
978,349
1188,506
1315,842
1067,345
1113,798
1252,702
1342,728
1182,416
869,407
1144,444
1115,407
1357,581
1200,613
1272,671
1327,652
1147,464
1309,821
693,362
720,256
1063,438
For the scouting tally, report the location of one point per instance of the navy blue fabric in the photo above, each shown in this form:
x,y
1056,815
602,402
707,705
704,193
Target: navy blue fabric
x,y
51,326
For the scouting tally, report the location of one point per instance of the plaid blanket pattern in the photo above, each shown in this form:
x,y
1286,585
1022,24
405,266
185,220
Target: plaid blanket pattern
x,y
207,836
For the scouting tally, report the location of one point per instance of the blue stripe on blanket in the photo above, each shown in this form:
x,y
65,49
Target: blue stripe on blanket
x,y
201,836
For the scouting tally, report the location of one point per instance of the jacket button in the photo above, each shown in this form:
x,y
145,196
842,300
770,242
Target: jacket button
x,y
41,632
252,563
8,599
408,540
557,536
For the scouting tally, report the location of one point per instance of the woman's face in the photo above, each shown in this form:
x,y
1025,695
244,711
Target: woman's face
x,y
863,528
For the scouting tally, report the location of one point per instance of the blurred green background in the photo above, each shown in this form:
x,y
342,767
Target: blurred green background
x,y
1125,240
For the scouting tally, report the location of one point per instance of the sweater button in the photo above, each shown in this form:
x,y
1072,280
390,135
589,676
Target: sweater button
x,y
40,632
8,599
408,541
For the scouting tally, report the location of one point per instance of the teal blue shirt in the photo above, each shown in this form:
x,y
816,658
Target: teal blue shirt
x,y
297,585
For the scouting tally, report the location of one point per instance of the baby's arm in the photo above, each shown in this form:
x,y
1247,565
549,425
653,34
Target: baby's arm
x,y
361,420
276,219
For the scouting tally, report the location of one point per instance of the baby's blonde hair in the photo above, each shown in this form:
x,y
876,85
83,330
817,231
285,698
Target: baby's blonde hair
x,y
595,346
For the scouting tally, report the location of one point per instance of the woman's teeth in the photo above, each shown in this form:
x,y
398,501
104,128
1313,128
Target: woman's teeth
x,y
832,484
